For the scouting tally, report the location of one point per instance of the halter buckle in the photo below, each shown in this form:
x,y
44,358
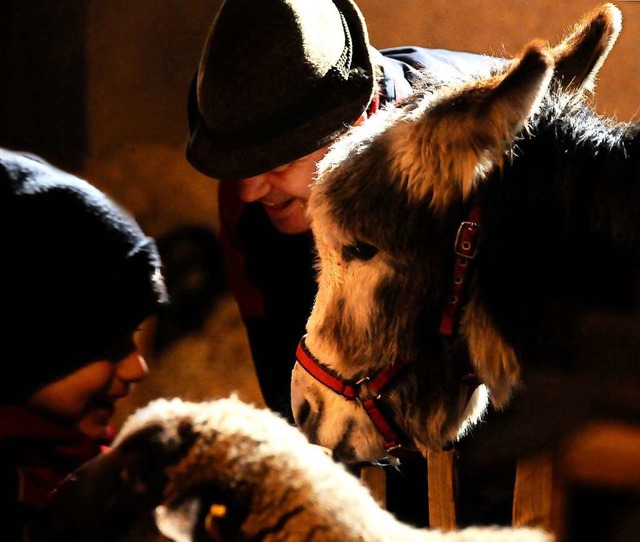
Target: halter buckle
x,y
466,244
363,384
402,452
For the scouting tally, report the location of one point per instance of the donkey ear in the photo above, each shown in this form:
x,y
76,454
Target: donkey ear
x,y
516,97
463,134
582,52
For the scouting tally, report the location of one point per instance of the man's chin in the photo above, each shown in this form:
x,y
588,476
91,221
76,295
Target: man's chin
x,y
289,220
289,229
290,225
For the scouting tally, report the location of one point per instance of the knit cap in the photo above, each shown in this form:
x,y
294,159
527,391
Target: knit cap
x,y
78,274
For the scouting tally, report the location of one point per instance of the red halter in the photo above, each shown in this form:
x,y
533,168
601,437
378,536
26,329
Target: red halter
x,y
367,391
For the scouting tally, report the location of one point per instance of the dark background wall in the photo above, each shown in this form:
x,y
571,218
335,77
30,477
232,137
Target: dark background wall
x,y
99,87
142,55
503,27
42,95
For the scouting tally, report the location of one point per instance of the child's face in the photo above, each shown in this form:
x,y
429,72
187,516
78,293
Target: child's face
x,y
85,399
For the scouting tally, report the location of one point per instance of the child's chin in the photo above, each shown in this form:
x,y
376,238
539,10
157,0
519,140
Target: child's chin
x,y
96,424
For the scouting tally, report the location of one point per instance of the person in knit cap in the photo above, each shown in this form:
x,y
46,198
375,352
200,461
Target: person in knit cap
x,y
278,81
78,278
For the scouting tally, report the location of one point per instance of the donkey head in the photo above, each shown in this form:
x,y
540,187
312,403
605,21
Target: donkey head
x,y
382,213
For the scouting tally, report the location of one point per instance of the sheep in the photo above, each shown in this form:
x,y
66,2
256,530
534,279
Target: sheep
x,y
226,470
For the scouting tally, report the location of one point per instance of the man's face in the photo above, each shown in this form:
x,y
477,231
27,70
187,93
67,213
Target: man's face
x,y
284,192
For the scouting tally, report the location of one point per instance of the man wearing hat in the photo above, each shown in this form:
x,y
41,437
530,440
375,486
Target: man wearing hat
x,y
278,82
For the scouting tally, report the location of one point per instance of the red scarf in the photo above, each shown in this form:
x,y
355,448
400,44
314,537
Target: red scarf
x,y
42,452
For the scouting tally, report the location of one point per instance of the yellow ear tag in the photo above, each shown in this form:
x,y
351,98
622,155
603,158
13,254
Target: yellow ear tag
x,y
216,511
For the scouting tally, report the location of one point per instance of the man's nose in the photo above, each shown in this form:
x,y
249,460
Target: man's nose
x,y
254,188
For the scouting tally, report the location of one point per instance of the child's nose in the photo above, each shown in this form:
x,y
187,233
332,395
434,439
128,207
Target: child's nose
x,y
133,367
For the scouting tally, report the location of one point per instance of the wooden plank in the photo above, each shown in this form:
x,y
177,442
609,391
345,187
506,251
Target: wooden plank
x,y
375,479
442,509
533,492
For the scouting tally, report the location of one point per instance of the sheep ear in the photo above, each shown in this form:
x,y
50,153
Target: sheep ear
x,y
582,52
193,520
212,514
462,135
178,522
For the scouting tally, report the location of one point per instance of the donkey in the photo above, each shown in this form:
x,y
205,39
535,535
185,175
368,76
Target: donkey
x,y
480,242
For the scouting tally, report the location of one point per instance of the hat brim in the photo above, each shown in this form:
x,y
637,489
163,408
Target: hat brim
x,y
237,160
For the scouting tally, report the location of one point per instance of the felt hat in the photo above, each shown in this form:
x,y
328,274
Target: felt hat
x,y
78,274
277,80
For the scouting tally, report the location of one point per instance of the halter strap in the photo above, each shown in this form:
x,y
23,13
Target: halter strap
x,y
367,391
465,249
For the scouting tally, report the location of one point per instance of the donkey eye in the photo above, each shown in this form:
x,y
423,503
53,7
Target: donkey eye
x,y
359,251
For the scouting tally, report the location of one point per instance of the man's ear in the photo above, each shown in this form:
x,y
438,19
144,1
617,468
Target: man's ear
x,y
371,109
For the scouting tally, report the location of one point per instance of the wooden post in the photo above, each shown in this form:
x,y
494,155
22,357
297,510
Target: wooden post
x,y
442,509
533,492
375,479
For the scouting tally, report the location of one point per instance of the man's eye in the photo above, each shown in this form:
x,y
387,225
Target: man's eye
x,y
359,251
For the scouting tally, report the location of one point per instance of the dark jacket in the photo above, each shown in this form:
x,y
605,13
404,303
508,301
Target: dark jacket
x,y
36,454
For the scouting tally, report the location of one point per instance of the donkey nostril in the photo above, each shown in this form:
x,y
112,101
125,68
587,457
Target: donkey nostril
x,y
303,413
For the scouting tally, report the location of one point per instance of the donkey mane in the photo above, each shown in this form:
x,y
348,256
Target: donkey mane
x,y
561,233
595,161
